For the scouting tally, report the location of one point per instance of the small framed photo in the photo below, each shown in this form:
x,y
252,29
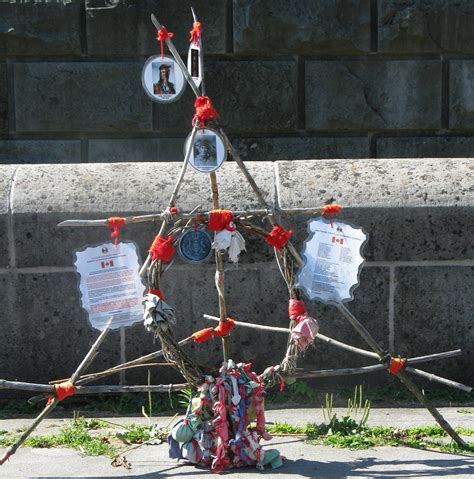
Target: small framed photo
x,y
208,150
162,79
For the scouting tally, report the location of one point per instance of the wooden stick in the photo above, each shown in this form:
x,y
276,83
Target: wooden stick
x,y
402,375
177,57
55,401
324,373
439,379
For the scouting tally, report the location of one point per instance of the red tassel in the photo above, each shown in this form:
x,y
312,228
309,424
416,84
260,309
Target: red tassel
x,y
278,237
204,111
396,365
115,222
196,33
219,220
331,209
162,248
224,327
161,36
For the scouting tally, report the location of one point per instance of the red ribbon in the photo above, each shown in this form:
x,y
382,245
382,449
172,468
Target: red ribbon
x,y
161,36
396,365
204,111
296,308
196,33
331,209
62,391
220,219
115,222
162,248
156,292
278,237
203,335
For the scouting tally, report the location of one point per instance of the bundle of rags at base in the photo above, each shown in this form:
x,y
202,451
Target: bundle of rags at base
x,y
224,425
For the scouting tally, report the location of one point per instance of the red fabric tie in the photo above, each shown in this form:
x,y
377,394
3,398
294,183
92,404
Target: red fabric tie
x,y
174,210
162,248
115,222
220,219
161,36
331,209
278,237
196,33
156,292
222,329
204,111
203,335
296,308
62,391
396,365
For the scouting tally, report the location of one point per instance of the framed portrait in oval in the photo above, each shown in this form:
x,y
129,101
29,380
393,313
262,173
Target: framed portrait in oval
x,y
162,79
208,150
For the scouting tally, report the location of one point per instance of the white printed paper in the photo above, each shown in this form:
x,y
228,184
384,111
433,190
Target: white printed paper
x,y
332,261
110,284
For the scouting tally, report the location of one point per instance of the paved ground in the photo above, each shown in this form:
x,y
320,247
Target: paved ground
x,y
303,460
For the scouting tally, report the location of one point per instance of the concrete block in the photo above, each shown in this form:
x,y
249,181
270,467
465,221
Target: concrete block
x,y
258,96
358,94
88,96
136,35
40,29
3,98
302,148
102,190
436,318
425,26
461,94
412,210
425,147
6,181
47,335
136,150
304,27
40,151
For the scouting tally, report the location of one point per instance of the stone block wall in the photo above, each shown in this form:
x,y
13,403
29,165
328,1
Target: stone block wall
x,y
415,295
291,79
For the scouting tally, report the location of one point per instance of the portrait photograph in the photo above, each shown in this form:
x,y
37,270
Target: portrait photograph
x,y
207,151
162,79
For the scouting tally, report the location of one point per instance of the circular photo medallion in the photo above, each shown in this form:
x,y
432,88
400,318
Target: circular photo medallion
x,y
195,245
162,79
208,151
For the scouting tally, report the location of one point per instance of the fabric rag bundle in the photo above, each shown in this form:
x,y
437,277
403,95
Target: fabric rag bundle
x,y
217,430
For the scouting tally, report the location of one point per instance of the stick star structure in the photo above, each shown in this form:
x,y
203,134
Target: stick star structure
x,y
176,221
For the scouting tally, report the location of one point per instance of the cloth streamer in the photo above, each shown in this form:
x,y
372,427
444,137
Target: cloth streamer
x,y
115,222
230,240
222,437
195,33
161,36
157,315
278,237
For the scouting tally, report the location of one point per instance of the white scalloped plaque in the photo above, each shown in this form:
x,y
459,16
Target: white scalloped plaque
x,y
333,260
110,284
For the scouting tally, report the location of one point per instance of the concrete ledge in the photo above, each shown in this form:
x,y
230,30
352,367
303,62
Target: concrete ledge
x,y
415,288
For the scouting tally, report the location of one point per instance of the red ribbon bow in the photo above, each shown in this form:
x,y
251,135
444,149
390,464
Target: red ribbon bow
x,y
162,248
278,237
115,222
161,36
195,33
204,111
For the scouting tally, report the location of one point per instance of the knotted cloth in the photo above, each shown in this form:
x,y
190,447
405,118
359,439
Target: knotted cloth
x,y
115,222
204,111
162,248
278,237
331,209
62,391
195,33
396,365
